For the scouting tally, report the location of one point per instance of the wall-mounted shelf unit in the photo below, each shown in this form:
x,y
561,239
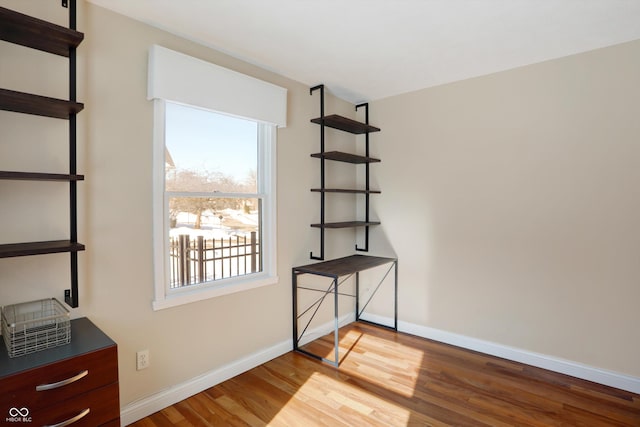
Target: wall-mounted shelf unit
x,y
344,124
35,33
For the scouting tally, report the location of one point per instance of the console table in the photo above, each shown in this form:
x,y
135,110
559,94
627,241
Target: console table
x,y
334,269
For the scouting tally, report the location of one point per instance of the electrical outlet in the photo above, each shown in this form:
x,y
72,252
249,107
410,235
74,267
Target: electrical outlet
x,y
142,360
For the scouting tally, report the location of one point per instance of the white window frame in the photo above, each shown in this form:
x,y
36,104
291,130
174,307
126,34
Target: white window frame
x,y
181,79
266,173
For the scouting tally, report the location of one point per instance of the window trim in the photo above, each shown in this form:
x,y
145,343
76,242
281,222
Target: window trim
x,y
165,298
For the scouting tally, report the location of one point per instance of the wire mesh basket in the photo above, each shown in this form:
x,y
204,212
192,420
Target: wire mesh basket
x,y
36,325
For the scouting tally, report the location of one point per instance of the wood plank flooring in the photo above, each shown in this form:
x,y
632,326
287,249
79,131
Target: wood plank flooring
x,y
393,379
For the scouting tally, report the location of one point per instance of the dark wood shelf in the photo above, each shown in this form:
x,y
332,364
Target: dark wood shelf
x,y
346,224
339,156
36,176
37,34
345,124
20,102
344,266
344,190
39,248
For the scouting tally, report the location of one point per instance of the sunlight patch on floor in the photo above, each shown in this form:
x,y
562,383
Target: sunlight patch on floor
x,y
320,391
396,367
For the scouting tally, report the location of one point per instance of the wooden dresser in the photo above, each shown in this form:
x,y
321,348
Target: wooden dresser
x,y
71,385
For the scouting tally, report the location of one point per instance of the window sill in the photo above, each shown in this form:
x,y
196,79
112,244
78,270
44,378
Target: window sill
x,y
187,296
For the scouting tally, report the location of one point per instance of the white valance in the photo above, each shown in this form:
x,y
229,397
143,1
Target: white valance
x,y
177,77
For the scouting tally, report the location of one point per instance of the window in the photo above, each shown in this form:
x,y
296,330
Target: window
x,y
214,185
218,223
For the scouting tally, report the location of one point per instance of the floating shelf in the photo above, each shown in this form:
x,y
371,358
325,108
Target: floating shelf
x,y
339,156
345,124
37,34
344,190
36,176
39,248
20,102
346,224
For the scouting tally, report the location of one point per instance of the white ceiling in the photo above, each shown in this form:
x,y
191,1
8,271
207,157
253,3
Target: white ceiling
x,y
365,50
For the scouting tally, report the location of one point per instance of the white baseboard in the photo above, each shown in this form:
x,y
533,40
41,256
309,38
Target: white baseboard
x,y
148,405
555,364
154,403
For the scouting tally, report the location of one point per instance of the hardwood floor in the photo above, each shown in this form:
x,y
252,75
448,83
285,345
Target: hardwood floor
x,y
393,379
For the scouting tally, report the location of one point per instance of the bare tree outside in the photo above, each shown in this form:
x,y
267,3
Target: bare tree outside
x,y
203,182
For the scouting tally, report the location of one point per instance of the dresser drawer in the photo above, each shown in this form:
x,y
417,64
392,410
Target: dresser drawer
x,y
56,382
91,409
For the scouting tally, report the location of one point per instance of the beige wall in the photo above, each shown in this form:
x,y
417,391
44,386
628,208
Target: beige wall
x,y
115,141
512,202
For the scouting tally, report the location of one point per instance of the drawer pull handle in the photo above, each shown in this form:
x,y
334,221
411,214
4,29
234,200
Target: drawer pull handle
x,y
71,420
45,387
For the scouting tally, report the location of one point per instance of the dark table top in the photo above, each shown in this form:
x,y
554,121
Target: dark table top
x,y
343,266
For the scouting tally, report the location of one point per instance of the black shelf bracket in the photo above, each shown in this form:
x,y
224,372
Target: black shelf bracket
x,y
71,295
320,87
367,187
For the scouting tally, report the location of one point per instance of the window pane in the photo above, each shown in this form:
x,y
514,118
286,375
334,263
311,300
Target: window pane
x,y
213,238
211,152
